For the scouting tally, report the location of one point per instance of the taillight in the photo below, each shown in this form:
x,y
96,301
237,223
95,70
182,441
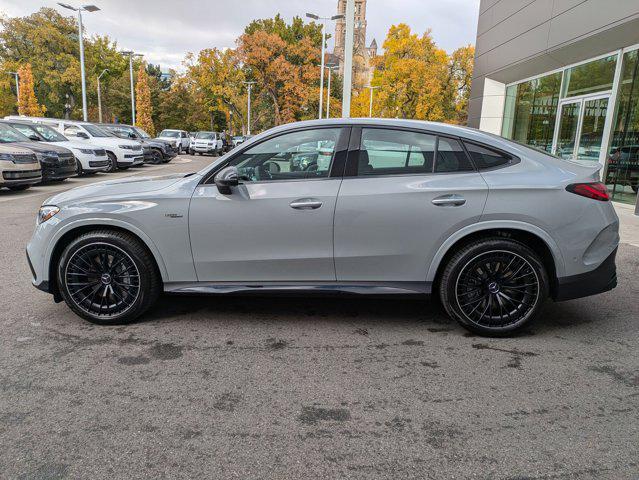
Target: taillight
x,y
595,190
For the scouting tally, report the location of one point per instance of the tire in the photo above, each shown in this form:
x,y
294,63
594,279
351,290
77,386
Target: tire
x,y
494,286
92,262
113,162
191,152
180,150
157,157
78,167
18,188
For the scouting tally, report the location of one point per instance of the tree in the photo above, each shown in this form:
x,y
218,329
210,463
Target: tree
x,y
418,80
143,107
27,101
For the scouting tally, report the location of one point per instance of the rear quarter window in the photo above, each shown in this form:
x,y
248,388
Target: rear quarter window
x,y
485,158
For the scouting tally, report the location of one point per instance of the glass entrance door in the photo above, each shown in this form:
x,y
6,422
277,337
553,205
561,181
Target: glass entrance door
x,y
580,131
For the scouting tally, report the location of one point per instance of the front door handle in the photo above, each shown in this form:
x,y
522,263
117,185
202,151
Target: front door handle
x,y
451,200
306,204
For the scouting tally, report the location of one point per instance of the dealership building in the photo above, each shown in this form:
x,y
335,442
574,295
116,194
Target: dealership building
x,y
563,76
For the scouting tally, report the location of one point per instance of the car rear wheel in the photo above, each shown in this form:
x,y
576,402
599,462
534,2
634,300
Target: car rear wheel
x,y
494,286
108,277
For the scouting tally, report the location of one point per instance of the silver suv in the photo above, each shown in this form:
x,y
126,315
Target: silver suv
x,y
386,207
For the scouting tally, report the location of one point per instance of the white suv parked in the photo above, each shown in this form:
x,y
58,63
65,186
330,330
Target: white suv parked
x,y
179,139
207,142
122,153
89,160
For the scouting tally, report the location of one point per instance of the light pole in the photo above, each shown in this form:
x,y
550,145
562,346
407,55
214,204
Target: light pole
x,y
248,107
370,105
86,8
131,54
348,58
100,96
323,19
17,77
328,96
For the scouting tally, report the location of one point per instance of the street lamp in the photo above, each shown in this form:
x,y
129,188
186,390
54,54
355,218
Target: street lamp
x,y
323,19
248,107
328,96
347,79
85,8
370,105
17,77
131,54
100,96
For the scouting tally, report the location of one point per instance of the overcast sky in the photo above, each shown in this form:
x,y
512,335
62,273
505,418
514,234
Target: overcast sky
x,y
164,31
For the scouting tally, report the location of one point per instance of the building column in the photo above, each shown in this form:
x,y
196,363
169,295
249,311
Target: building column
x,y
492,106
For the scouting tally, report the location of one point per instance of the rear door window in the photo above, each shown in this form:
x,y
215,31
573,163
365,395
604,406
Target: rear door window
x,y
451,157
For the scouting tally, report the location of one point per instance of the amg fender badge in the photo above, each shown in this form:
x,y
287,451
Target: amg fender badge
x,y
173,215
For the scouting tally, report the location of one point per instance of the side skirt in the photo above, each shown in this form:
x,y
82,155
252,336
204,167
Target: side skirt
x,y
322,288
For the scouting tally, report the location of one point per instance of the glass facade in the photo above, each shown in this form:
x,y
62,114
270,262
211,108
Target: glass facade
x,y
568,113
531,110
622,169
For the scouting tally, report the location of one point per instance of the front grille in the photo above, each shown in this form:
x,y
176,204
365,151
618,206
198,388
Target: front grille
x,y
24,158
99,152
98,163
19,175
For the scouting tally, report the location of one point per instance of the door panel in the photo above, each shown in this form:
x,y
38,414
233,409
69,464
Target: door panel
x,y
592,127
255,235
568,125
389,228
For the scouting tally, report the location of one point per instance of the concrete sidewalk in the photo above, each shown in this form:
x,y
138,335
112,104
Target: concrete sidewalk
x,y
629,223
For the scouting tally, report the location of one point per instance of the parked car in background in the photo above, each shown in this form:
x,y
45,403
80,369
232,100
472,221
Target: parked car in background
x,y
179,139
19,167
237,140
207,142
88,160
492,227
122,153
57,163
623,167
155,149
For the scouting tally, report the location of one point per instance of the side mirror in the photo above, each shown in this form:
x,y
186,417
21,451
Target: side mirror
x,y
82,135
227,178
35,138
132,135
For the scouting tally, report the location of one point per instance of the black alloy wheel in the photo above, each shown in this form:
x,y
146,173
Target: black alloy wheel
x,y
494,286
157,157
113,162
108,277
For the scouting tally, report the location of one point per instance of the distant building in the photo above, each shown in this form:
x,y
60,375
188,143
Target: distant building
x,y
362,55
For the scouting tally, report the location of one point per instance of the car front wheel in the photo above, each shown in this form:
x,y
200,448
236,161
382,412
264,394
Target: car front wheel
x,y
108,277
113,162
494,286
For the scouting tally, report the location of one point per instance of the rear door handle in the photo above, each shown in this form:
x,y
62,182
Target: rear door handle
x,y
306,204
451,200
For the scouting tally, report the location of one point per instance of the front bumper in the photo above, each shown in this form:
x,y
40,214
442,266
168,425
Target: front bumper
x,y
20,177
131,160
601,279
58,172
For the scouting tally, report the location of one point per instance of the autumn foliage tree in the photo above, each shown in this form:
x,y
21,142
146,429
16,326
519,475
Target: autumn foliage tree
x,y
143,107
27,102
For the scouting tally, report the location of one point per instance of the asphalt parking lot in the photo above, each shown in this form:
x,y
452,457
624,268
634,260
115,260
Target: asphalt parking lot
x,y
303,388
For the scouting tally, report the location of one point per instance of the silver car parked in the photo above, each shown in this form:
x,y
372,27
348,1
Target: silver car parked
x,y
359,206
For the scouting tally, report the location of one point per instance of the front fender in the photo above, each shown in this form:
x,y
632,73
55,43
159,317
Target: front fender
x,y
104,222
495,225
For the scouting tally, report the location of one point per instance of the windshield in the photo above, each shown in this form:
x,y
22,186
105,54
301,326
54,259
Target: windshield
x,y
170,133
141,132
8,134
95,131
205,135
49,134
122,132
26,130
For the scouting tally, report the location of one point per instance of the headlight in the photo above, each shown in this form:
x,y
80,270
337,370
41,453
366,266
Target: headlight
x,y
131,147
7,157
86,151
47,157
46,212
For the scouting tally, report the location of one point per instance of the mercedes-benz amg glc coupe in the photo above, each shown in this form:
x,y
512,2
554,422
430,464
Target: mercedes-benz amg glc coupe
x,y
358,206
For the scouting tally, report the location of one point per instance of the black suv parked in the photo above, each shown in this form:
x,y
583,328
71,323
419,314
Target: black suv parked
x,y
58,163
155,150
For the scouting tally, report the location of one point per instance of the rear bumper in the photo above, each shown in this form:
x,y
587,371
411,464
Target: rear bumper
x,y
601,279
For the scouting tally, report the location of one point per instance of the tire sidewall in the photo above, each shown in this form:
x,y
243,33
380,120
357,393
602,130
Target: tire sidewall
x,y
466,254
141,302
113,166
